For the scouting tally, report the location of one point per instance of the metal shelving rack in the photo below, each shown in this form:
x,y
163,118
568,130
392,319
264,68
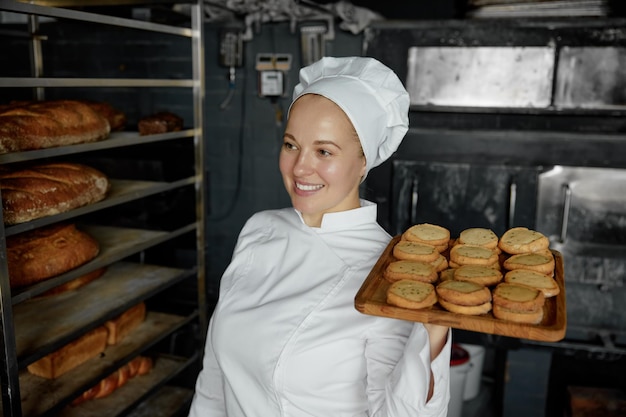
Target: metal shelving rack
x,y
26,336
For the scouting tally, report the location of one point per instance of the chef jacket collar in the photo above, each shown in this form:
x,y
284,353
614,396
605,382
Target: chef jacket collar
x,y
346,219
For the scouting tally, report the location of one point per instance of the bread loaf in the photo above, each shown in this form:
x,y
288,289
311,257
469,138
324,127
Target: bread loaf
x,y
115,117
76,283
122,325
161,122
43,253
75,353
47,124
48,189
140,365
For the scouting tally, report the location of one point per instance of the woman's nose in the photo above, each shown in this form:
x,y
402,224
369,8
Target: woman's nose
x,y
303,164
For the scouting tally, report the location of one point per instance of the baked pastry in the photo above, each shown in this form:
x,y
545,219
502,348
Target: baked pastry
x,y
75,353
542,262
411,294
415,251
431,234
544,283
517,297
47,189
480,274
517,316
522,240
440,263
473,255
413,270
125,323
478,236
161,122
47,124
464,297
46,252
447,274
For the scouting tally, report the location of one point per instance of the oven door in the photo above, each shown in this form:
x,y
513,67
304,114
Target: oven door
x,y
583,211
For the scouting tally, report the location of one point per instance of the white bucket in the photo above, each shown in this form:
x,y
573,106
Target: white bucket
x,y
472,382
459,367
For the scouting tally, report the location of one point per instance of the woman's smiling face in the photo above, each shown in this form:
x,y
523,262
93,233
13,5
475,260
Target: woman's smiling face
x,y
321,160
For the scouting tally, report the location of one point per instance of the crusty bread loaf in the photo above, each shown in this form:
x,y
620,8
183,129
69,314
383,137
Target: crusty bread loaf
x,y
47,124
411,294
415,251
521,240
76,283
115,117
48,189
533,279
414,270
125,323
75,353
161,122
46,252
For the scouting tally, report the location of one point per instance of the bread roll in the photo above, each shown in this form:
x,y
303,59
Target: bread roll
x,y
478,236
522,240
462,254
47,124
479,274
48,189
411,294
532,279
161,122
463,293
542,262
415,251
518,298
430,234
46,252
414,270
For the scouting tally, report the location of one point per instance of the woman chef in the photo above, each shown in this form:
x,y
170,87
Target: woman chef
x,y
285,338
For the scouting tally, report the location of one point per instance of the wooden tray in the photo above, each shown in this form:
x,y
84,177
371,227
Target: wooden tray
x,y
371,299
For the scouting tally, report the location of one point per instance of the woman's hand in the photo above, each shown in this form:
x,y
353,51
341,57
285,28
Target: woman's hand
x,y
437,338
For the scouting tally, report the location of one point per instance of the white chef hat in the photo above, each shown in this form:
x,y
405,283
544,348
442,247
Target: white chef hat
x,y
371,95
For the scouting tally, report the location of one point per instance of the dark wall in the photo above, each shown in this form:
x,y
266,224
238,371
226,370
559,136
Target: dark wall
x,y
243,139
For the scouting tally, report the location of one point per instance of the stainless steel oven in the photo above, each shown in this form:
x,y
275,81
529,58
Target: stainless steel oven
x,y
583,211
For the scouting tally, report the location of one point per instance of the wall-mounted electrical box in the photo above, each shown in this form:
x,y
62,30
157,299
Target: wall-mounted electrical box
x,y
231,47
272,70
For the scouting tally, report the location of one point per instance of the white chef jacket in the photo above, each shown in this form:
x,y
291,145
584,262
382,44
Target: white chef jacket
x,y
286,340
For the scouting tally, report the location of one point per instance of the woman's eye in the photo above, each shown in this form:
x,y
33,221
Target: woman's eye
x,y
324,152
289,146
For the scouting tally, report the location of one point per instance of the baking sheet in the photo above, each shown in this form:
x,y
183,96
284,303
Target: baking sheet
x,y
371,299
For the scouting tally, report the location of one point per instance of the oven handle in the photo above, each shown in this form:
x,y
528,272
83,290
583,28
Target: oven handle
x,y
414,199
512,200
567,202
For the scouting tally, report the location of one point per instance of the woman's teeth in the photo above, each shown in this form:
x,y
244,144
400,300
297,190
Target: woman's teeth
x,y
308,187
